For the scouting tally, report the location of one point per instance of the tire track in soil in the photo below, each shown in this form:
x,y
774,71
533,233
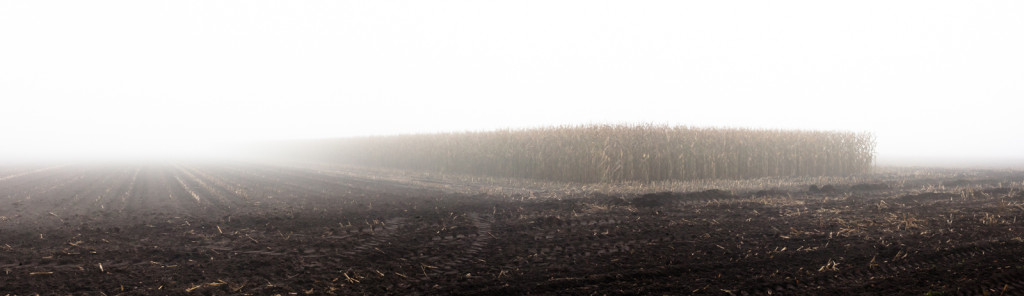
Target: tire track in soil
x,y
465,258
579,239
379,236
461,264
856,277
1009,283
551,259
55,265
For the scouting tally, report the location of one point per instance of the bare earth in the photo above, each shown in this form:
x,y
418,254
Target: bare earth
x,y
237,229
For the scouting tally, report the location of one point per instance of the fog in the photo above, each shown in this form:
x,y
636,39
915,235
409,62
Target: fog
x,y
938,82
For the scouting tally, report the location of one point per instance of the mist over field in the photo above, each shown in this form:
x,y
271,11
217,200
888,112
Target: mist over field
x,y
953,162
527,147
935,81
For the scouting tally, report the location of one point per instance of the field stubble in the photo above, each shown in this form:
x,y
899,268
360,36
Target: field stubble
x,y
236,228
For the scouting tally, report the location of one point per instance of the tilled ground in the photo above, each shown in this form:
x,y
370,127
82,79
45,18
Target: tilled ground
x,y
234,229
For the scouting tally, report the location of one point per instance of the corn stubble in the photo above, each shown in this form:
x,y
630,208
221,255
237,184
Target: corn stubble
x,y
620,153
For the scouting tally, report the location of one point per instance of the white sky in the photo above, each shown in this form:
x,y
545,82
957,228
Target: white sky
x,y
928,78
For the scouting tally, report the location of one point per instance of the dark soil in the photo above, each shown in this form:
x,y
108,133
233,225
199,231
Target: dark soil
x,y
235,229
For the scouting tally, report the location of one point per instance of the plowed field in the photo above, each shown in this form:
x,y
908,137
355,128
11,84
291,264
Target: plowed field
x,y
237,229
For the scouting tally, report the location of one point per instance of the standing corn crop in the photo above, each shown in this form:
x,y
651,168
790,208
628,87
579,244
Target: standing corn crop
x,y
615,153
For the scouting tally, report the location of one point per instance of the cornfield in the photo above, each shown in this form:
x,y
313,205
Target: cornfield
x,y
617,153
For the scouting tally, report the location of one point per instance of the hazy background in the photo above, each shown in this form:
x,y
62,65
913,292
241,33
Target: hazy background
x,y
934,80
